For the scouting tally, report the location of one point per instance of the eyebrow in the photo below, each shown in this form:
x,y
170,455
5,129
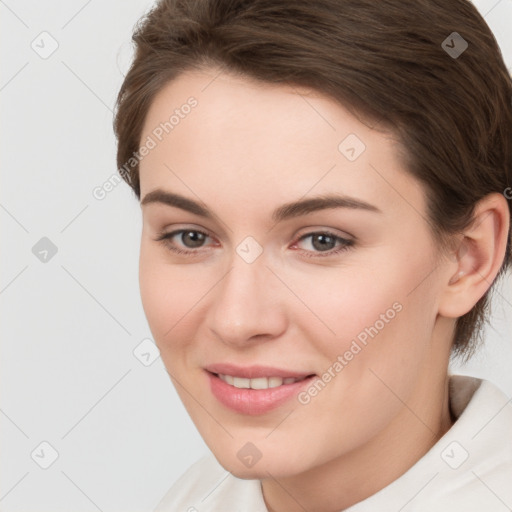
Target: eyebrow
x,y
284,212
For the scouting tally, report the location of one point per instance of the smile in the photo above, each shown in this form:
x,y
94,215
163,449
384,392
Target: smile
x,y
256,395
258,383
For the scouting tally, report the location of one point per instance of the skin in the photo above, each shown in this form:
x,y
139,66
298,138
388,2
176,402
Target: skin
x,y
244,150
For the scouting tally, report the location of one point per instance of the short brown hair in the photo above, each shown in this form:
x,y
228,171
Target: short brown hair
x,y
388,60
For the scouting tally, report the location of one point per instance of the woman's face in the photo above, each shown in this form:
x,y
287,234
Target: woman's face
x,y
297,246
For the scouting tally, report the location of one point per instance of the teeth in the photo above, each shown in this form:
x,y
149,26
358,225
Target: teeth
x,y
273,382
242,383
258,383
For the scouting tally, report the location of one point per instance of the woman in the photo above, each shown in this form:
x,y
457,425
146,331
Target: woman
x,y
325,191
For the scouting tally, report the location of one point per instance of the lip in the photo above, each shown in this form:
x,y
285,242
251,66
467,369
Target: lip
x,y
254,402
253,372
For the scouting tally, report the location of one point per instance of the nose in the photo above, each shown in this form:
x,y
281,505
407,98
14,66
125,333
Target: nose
x,y
247,305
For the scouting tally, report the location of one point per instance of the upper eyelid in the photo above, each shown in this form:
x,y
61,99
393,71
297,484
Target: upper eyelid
x,y
309,231
325,231
164,232
175,232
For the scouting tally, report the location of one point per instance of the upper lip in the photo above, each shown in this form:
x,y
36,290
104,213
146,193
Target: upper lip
x,y
253,372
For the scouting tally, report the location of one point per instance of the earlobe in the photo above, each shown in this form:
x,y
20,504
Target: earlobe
x,y
479,257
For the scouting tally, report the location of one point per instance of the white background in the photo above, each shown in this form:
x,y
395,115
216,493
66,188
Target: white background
x,y
70,325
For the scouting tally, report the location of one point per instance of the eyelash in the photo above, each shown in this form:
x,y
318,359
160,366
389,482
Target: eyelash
x,y
346,244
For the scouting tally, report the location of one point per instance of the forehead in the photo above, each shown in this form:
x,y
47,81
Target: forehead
x,y
267,140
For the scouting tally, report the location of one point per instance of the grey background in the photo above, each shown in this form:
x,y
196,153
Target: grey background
x,y
71,366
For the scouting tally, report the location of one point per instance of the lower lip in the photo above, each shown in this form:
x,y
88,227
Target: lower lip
x,y
254,401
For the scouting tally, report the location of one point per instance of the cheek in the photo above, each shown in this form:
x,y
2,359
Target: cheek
x,y
382,338
380,311
168,294
343,302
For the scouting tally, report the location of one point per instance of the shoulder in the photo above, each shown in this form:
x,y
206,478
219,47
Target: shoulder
x,y
206,485
475,455
469,469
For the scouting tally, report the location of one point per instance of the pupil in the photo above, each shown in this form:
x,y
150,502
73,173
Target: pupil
x,y
196,239
326,242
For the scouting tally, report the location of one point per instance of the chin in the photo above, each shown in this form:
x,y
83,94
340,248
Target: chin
x,y
276,466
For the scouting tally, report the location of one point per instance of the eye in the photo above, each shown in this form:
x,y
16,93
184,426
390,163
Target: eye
x,y
320,244
188,238
323,243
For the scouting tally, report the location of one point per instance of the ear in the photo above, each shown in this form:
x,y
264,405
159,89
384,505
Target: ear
x,y
479,257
